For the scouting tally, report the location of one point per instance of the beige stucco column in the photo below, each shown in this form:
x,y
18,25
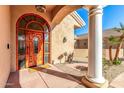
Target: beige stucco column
x,y
95,45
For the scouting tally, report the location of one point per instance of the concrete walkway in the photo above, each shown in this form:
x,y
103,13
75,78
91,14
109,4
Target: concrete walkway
x,y
118,82
55,76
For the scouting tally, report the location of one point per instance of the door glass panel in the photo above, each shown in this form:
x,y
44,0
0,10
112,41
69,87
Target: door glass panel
x,y
46,47
46,37
46,58
40,20
35,40
45,27
29,18
21,49
34,26
22,23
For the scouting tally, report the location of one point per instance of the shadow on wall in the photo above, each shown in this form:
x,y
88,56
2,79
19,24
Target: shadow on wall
x,y
67,57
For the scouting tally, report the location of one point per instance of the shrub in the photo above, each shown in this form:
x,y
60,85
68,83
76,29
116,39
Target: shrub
x,y
117,61
104,61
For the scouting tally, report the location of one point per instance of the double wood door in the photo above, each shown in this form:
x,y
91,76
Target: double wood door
x,y
34,48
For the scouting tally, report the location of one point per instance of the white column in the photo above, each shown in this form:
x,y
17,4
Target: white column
x,y
95,46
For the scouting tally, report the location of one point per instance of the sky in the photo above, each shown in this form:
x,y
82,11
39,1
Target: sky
x,y
112,16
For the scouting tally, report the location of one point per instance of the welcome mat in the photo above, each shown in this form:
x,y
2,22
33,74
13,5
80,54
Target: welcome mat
x,y
31,70
45,66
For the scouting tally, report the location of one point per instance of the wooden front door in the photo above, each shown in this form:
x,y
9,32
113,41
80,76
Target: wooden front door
x,y
34,48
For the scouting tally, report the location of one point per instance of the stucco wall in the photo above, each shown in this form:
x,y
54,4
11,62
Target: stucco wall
x,y
4,40
81,54
106,53
81,44
16,12
58,48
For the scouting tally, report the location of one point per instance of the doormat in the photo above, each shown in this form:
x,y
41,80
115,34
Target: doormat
x,y
45,66
31,70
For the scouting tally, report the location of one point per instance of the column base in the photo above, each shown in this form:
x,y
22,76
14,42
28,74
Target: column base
x,y
96,80
90,84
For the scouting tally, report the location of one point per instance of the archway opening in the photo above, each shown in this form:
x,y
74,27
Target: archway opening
x,y
32,41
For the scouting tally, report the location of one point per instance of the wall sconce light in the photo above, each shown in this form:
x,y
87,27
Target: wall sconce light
x,y
40,8
8,46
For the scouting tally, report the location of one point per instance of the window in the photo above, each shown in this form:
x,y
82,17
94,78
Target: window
x,y
35,42
46,58
46,48
34,26
85,43
21,48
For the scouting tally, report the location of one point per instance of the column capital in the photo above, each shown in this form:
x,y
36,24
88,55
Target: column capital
x,y
95,10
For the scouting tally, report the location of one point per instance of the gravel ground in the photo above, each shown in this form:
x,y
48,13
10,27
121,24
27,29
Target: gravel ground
x,y
110,72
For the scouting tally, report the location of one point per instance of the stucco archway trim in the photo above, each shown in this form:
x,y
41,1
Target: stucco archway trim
x,y
62,12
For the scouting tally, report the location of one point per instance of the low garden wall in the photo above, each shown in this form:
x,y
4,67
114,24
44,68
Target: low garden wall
x,y
81,54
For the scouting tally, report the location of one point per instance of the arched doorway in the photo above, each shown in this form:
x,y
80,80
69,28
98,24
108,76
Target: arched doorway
x,y
32,41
